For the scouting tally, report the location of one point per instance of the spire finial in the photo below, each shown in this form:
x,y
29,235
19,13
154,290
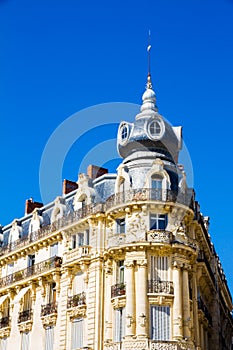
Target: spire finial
x,y
149,84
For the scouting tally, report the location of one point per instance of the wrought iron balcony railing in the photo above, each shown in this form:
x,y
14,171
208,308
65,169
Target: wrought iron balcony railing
x,y
156,286
118,290
76,300
48,309
5,322
36,269
150,194
45,231
25,315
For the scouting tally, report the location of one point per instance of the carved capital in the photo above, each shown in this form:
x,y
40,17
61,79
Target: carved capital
x,y
142,263
25,326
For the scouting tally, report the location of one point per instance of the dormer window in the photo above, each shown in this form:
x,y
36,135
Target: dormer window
x,y
156,182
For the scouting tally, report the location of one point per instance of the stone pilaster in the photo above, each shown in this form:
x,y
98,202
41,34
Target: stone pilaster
x,y
141,299
177,306
130,300
186,303
108,306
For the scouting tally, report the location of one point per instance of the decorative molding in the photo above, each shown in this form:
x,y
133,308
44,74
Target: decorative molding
x,y
49,320
76,312
5,332
119,302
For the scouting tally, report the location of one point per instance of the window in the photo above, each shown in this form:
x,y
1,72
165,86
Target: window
x,y
3,344
78,239
160,322
158,222
27,301
159,268
120,272
51,292
31,262
119,330
123,133
25,341
156,182
10,269
6,308
77,333
49,338
78,283
54,250
155,128
120,223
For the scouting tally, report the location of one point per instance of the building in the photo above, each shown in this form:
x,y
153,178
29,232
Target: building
x,y
118,261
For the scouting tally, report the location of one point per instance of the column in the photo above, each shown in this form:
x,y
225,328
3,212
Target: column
x,y
130,299
141,299
177,306
186,306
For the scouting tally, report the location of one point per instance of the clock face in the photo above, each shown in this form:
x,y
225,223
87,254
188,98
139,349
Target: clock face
x,y
155,128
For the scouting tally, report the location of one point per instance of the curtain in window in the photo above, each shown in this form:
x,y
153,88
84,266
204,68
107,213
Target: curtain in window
x,y
3,344
49,338
119,324
160,322
25,341
77,333
159,268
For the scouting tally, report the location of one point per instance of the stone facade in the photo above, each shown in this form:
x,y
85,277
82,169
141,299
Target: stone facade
x,y
133,270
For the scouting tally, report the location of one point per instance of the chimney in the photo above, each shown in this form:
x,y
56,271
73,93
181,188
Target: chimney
x,y
69,186
94,171
30,205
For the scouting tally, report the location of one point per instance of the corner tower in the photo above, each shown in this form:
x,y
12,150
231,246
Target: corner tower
x,y
150,140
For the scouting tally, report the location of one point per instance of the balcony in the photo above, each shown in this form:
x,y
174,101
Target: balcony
x,y
76,300
34,270
118,290
48,309
25,316
168,345
159,236
46,230
78,252
5,322
156,286
150,194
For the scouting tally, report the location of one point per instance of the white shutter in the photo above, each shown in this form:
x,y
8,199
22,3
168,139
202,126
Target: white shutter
x,y
119,331
159,268
78,284
3,344
160,322
49,338
77,333
25,341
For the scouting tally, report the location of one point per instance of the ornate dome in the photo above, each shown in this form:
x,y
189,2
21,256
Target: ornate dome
x,y
150,132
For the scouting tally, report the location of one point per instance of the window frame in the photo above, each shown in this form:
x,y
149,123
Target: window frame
x,y
155,221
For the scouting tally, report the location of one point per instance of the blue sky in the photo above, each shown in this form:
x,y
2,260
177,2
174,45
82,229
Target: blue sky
x,y
58,57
